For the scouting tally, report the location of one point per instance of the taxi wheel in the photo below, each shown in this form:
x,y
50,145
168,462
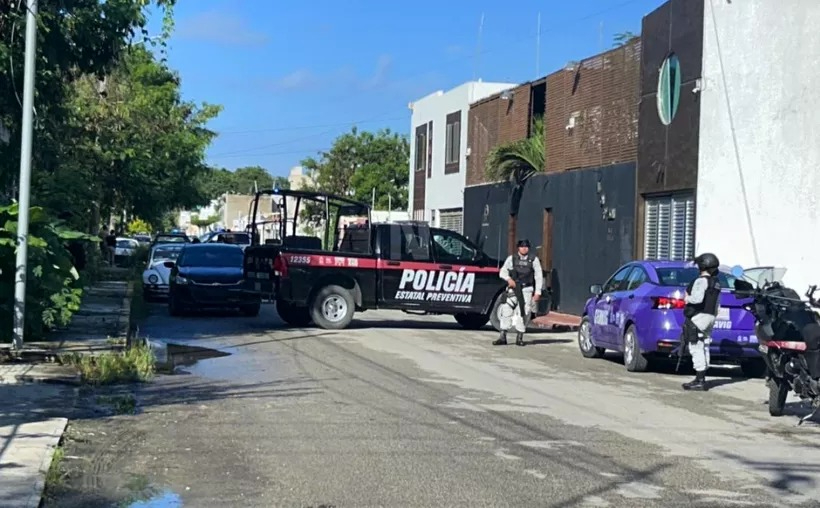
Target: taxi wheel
x,y
472,321
333,308
293,315
585,344
634,360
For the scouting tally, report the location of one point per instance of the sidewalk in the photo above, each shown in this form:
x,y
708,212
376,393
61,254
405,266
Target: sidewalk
x,y
32,422
37,398
555,320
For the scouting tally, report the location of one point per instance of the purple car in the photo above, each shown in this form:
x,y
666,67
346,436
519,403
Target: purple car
x,y
639,311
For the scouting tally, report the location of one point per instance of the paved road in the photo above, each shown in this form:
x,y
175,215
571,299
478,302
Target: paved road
x,y
409,411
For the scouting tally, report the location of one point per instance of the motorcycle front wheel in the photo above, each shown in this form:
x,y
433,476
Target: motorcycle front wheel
x,y
778,391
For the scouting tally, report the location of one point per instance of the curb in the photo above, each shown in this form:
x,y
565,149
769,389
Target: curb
x,y
36,497
40,378
125,314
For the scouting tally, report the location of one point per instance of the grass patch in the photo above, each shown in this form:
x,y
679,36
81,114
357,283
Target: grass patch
x,y
121,404
136,364
54,476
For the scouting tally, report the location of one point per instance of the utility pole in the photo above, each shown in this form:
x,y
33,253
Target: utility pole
x,y
25,176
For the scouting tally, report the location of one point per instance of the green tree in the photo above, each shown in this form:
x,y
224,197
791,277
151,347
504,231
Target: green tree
x,y
137,226
75,38
240,181
359,162
137,148
517,162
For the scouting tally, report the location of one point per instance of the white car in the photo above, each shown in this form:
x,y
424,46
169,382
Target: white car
x,y
125,249
156,276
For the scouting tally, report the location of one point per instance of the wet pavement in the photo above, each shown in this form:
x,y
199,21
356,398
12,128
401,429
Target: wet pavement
x,y
412,411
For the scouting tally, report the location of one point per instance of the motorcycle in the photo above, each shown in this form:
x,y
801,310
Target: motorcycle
x,y
788,332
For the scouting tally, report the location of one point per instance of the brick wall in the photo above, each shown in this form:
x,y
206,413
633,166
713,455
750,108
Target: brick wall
x,y
494,121
602,95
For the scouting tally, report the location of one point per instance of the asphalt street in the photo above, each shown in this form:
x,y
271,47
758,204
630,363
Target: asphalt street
x,y
405,410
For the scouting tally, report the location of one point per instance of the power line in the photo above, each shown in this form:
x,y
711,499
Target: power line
x,y
268,154
301,138
304,127
559,26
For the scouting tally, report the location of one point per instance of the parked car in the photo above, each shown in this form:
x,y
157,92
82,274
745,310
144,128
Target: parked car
x,y
156,276
232,237
170,238
143,238
125,250
209,275
639,312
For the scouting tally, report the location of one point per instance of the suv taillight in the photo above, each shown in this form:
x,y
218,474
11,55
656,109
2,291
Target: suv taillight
x,y
667,303
280,266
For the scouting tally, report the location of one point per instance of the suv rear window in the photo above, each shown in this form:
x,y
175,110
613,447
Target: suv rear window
x,y
681,277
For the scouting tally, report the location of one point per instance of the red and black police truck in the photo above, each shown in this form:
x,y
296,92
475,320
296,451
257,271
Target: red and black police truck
x,y
356,265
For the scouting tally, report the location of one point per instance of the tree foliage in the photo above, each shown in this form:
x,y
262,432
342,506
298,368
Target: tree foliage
x,y
622,38
112,135
53,290
138,147
240,181
359,162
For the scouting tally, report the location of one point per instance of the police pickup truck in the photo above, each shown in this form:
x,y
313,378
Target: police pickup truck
x,y
407,266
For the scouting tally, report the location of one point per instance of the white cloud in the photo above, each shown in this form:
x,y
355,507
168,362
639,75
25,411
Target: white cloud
x,y
221,27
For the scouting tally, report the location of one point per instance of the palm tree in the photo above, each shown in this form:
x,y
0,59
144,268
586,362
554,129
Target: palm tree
x,y
516,162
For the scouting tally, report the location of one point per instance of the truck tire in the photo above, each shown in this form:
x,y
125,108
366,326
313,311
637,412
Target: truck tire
x,y
333,308
293,315
471,320
495,321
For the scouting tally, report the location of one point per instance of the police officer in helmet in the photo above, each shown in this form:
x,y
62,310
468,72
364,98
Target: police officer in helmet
x,y
525,279
701,309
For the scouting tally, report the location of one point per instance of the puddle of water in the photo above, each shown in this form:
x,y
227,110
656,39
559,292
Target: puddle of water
x,y
164,500
183,355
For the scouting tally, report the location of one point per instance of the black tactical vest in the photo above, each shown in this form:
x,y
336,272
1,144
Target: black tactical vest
x,y
711,298
522,269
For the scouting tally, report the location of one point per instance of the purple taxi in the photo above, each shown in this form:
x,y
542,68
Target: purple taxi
x,y
639,312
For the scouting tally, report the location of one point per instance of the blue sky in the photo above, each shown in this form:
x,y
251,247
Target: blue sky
x,y
294,75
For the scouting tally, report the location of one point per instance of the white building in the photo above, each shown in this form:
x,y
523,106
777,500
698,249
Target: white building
x,y
438,152
758,176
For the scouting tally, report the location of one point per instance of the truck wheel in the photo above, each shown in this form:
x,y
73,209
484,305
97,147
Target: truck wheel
x,y
333,308
472,321
293,315
495,320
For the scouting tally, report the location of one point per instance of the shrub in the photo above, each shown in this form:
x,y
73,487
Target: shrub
x,y
53,290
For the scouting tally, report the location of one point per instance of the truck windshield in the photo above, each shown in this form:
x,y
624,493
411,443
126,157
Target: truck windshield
x,y
214,257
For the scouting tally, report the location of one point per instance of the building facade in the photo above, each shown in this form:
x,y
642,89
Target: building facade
x,y
438,147
579,210
758,158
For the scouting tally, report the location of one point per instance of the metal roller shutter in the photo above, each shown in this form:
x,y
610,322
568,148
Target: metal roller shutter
x,y
669,227
451,219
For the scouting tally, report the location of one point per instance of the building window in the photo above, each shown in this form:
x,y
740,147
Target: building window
x,y
669,89
669,227
421,147
451,219
452,151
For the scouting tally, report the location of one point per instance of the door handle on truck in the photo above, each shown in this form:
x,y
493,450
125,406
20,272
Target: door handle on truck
x,y
393,263
446,267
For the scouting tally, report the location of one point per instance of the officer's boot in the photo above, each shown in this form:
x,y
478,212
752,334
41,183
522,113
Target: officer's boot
x,y
697,384
501,340
519,339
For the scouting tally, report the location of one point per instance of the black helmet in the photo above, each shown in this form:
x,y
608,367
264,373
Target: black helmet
x,y
707,262
523,243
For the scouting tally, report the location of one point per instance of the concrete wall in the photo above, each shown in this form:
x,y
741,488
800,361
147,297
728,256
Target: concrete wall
x,y
445,191
757,203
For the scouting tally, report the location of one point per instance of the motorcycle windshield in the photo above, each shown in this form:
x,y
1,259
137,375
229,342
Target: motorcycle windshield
x,y
762,274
